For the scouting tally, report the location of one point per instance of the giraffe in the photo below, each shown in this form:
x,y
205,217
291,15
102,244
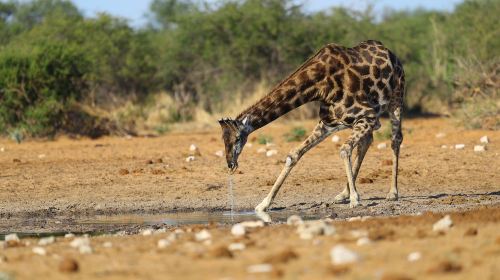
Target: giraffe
x,y
353,86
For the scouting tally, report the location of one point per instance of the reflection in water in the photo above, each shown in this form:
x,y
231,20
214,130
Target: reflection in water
x,y
231,197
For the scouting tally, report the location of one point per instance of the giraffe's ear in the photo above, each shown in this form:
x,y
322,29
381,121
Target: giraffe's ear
x,y
245,121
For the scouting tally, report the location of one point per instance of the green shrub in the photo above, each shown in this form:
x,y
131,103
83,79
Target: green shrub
x,y
296,134
264,139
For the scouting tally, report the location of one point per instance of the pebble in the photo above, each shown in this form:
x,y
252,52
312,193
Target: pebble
x,y
261,150
163,243
260,268
68,265
107,244
459,146
41,156
381,146
341,255
359,233
440,135
39,251
203,235
85,249
147,232
2,149
479,148
219,153
194,150
238,230
236,247
354,219
363,241
414,256
69,235
190,158
294,220
78,242
11,237
335,139
484,140
309,229
46,240
271,153
444,147
443,224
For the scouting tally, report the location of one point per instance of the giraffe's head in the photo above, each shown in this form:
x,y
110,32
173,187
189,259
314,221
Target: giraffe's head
x,y
234,134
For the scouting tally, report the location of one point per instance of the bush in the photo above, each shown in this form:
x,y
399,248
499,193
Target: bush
x,y
296,134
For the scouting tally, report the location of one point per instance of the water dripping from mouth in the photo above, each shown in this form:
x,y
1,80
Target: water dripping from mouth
x,y
231,196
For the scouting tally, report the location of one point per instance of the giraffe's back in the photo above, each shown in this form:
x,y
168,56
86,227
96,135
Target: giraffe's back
x,y
361,82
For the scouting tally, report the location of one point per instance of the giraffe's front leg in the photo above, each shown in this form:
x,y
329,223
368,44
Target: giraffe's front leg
x,y
319,133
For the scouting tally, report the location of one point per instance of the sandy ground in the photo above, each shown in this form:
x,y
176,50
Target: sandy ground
x,y
52,186
470,249
46,182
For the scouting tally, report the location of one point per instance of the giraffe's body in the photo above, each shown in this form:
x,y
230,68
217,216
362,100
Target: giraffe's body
x,y
354,86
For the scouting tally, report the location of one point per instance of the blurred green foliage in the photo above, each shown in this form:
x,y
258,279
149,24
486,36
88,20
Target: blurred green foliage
x,y
296,134
52,57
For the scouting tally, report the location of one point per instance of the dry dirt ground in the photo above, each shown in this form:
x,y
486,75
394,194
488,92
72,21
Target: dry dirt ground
x,y
51,186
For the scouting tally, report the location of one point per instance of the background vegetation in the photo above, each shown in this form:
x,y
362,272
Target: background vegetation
x,y
62,72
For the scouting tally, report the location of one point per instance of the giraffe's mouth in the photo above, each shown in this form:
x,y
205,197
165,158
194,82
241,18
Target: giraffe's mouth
x,y
232,167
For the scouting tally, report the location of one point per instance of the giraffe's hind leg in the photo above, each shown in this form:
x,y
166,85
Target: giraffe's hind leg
x,y
362,148
361,129
320,132
397,138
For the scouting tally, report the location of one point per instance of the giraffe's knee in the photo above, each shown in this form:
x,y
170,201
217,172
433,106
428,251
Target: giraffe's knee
x,y
345,151
291,159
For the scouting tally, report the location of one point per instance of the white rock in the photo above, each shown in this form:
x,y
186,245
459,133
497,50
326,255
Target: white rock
x,y
193,148
219,153
381,146
484,140
178,231
443,224
202,235
363,241
269,145
341,255
69,235
414,256
440,135
11,237
79,242
2,149
107,244
160,230
479,148
309,229
163,243
359,233
271,153
252,224
444,147
147,232
85,249
46,240
260,268
236,247
335,139
39,251
294,220
238,230
354,219
249,145
261,150
459,146
41,156
190,158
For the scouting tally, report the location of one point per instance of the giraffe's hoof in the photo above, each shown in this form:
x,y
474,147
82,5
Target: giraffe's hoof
x,y
354,203
341,198
392,196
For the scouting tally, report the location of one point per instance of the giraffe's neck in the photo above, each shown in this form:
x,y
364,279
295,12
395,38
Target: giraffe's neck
x,y
290,94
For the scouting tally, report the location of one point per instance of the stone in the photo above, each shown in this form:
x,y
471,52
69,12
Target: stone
x,y
194,150
46,240
68,265
459,146
363,241
78,242
236,246
341,255
444,147
479,148
381,146
11,237
444,224
39,251
294,220
335,139
85,249
69,235
260,268
354,219
203,235
414,256
238,230
440,135
163,243
147,232
309,229
190,158
484,140
107,244
219,153
261,150
271,153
